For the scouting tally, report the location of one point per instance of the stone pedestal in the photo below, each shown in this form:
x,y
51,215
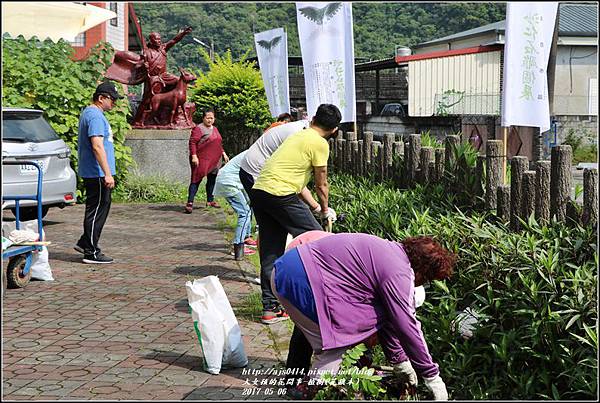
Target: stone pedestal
x,y
160,153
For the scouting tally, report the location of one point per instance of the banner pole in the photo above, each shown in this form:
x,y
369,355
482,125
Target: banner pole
x,y
505,159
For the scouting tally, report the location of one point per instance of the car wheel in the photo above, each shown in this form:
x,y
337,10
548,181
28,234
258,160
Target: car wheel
x,y
30,213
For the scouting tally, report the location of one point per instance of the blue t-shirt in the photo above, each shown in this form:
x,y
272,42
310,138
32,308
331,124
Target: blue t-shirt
x,y
93,123
291,282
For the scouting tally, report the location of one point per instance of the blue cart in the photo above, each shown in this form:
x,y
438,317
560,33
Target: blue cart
x,y
18,270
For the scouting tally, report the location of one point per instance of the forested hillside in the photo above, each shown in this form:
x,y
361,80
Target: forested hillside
x,y
378,27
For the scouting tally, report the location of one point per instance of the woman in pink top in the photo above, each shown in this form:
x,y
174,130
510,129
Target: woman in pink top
x,y
206,150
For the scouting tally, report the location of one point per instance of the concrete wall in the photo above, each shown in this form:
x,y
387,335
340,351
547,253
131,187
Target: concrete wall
x,y
573,92
116,35
379,125
160,153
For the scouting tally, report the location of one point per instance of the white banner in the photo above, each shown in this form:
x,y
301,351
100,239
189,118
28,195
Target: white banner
x,y
529,30
327,46
272,53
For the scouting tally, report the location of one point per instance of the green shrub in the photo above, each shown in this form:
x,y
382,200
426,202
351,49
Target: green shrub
x,y
42,75
140,189
236,91
535,292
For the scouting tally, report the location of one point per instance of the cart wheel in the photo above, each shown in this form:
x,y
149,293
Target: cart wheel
x,y
15,272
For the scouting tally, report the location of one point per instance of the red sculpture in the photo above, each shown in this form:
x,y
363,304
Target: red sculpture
x,y
169,110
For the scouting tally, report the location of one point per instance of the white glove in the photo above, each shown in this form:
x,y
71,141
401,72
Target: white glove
x,y
419,296
316,211
329,214
405,369
437,387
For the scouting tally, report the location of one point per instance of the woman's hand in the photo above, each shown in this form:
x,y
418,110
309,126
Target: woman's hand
x,y
195,160
225,157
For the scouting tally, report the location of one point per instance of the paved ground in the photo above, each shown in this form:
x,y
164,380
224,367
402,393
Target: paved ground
x,y
123,331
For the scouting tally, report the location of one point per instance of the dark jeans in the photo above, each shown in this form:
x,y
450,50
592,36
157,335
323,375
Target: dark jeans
x,y
211,179
97,205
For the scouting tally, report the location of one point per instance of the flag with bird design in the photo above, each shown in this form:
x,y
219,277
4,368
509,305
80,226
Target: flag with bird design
x,y
272,54
327,46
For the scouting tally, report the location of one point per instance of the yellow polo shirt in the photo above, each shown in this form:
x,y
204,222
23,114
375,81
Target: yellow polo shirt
x,y
289,169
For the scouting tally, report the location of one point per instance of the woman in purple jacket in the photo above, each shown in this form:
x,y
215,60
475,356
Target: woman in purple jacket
x,y
342,289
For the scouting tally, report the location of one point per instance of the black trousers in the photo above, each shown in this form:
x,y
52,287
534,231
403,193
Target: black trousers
x,y
97,206
277,216
211,180
247,181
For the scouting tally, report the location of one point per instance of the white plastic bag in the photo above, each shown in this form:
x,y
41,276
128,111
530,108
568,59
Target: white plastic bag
x,y
217,328
40,268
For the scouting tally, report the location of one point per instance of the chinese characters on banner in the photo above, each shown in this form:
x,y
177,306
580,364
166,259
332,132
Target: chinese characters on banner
x,y
271,50
529,29
327,46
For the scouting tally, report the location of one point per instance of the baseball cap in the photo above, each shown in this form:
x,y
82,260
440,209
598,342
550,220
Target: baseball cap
x,y
108,88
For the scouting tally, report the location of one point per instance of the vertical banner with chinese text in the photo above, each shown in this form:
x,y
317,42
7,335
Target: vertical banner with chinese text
x,y
327,46
272,53
529,29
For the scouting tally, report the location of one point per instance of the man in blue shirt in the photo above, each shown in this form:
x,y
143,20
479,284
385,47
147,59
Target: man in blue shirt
x,y
97,168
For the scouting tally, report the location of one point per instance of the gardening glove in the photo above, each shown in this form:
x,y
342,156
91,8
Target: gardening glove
x,y
405,370
329,214
316,211
437,387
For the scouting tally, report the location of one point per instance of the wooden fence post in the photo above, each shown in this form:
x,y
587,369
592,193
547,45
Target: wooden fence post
x,y
354,157
590,197
542,196
331,160
528,204
493,172
350,136
518,165
560,181
503,203
360,163
367,153
413,155
426,158
376,157
339,154
439,165
388,142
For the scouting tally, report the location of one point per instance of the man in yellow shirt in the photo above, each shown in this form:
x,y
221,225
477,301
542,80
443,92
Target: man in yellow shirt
x,y
276,201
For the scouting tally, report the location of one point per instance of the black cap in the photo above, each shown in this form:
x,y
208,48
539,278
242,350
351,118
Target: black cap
x,y
108,88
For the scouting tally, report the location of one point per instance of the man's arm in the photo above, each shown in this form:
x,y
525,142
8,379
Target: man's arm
x,y
177,38
100,154
322,187
308,198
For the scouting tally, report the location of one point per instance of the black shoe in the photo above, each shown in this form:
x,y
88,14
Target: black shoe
x,y
99,259
78,248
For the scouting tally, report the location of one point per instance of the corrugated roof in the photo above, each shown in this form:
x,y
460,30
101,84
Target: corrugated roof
x,y
574,20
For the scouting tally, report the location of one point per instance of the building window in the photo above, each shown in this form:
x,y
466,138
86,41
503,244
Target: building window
x,y
114,21
79,40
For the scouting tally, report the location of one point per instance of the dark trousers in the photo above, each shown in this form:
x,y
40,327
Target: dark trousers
x,y
97,206
247,180
277,216
211,179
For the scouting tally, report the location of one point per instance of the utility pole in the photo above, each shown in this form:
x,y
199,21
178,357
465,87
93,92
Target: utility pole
x,y
211,47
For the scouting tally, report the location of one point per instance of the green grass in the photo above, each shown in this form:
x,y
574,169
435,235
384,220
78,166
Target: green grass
x,y
155,189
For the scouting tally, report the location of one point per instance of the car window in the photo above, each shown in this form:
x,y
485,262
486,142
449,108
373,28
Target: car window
x,y
26,128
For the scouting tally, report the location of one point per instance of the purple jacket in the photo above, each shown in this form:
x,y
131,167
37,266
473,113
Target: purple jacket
x,y
363,284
